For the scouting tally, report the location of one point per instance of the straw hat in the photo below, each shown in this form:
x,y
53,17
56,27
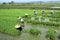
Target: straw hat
x,y
19,18
34,10
17,26
55,31
26,14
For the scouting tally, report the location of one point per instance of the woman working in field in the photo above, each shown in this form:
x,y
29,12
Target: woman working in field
x,y
21,20
18,27
35,13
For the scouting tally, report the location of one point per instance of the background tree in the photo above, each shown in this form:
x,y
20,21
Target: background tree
x,y
12,2
4,3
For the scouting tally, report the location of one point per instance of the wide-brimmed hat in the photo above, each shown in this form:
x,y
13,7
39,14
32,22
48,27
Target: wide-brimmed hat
x,y
19,17
26,14
17,26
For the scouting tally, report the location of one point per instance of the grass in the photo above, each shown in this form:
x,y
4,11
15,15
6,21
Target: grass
x,y
8,19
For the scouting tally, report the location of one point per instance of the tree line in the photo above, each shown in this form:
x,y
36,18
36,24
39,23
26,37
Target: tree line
x,y
12,2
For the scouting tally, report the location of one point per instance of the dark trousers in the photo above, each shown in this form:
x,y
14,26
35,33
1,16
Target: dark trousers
x,y
20,29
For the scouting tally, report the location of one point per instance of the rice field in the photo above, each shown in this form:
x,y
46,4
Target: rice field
x,y
9,18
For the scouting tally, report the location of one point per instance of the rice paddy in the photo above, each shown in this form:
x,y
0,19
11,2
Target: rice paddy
x,y
9,18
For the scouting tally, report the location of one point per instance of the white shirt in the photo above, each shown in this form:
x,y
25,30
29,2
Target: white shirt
x,y
21,20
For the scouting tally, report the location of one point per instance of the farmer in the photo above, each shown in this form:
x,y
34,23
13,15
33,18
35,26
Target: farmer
x,y
35,13
26,15
46,20
43,11
55,31
21,20
52,12
18,27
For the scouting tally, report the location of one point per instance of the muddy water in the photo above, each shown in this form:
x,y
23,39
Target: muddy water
x,y
43,30
6,37
28,36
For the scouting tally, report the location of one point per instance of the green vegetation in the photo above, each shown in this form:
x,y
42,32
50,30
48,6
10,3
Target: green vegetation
x,y
25,31
54,19
45,23
35,31
58,36
35,25
9,18
51,34
12,5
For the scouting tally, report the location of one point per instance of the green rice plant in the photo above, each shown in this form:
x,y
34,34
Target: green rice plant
x,y
51,34
35,22
35,31
9,18
25,31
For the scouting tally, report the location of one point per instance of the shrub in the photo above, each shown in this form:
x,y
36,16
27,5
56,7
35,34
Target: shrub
x,y
35,31
51,34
